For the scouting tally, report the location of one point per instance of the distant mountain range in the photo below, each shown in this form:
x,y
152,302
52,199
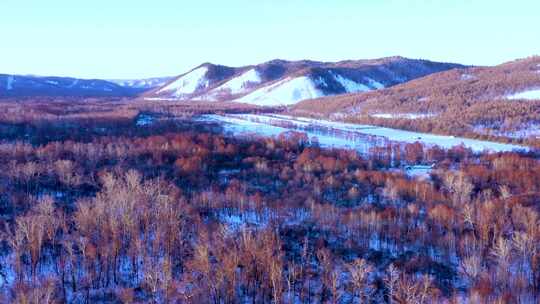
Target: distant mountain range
x,y
277,82
145,84
27,86
280,82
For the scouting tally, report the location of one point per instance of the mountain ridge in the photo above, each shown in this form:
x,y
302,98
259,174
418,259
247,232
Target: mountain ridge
x,y
29,85
502,100
309,79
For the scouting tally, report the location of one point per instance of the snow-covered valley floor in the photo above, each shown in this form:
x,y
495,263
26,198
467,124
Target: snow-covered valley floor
x,y
345,135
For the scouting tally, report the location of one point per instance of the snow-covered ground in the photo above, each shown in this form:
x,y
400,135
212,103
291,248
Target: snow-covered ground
x,y
467,77
239,84
285,92
419,171
144,120
529,94
402,115
531,130
346,135
524,131
189,83
238,125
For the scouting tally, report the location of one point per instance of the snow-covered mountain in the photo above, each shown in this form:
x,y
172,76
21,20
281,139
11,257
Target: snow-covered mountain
x,y
145,83
280,82
24,86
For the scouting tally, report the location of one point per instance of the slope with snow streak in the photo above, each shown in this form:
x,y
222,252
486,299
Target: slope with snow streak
x,y
285,92
188,83
350,86
375,84
240,84
9,83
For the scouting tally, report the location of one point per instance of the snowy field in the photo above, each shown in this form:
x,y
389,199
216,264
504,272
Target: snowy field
x,y
346,135
529,95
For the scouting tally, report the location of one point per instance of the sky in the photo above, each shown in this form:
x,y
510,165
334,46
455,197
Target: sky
x,y
124,39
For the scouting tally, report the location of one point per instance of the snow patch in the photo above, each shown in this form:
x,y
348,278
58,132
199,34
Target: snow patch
x,y
467,77
285,92
9,82
142,83
419,171
402,115
144,120
206,97
235,221
189,83
52,82
529,95
349,85
239,84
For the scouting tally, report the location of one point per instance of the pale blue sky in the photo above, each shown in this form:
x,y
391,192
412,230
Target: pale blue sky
x,y
131,38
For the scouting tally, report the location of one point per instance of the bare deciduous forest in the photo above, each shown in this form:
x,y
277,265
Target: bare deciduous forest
x,y
97,209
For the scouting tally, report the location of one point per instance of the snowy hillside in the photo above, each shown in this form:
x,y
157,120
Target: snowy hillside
x,y
285,92
241,83
281,82
188,83
492,101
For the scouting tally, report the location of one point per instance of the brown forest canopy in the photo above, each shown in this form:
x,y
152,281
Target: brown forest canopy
x,y
176,212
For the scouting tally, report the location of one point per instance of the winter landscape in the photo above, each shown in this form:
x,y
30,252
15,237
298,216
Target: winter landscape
x,y
172,158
